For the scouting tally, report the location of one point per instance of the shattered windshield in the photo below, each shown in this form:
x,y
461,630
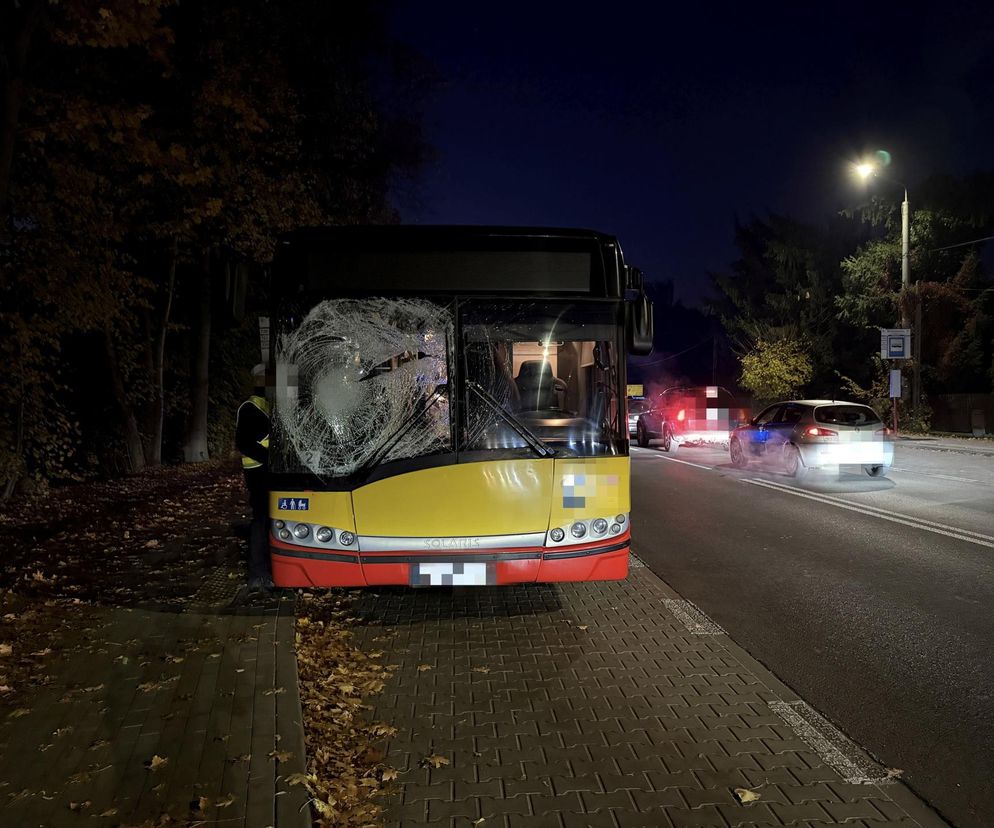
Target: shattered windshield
x,y
360,382
552,366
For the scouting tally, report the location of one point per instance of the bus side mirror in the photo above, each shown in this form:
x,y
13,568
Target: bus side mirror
x,y
639,327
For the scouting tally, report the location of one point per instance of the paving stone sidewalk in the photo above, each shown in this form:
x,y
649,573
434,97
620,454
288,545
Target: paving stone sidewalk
x,y
211,689
602,704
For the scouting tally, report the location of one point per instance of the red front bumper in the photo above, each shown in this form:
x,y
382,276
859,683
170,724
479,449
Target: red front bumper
x,y
297,567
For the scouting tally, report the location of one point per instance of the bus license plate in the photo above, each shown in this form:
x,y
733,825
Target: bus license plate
x,y
447,573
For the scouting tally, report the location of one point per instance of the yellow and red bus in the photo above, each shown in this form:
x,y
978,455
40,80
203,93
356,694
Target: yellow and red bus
x,y
449,405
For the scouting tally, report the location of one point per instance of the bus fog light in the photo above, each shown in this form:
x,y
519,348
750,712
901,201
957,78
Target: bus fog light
x,y
557,535
279,524
599,526
301,530
619,518
346,538
578,530
285,534
324,534
615,528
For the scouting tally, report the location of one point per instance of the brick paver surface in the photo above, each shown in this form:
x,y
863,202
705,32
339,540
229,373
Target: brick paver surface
x,y
592,705
200,689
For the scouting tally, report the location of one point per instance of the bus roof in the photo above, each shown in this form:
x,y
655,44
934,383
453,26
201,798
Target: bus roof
x,y
457,259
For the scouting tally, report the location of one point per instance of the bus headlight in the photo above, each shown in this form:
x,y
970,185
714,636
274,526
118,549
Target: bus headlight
x,y
578,530
324,534
615,528
346,538
599,526
557,535
284,534
301,530
619,519
279,524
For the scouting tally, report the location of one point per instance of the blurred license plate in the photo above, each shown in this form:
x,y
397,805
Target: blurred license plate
x,y
447,573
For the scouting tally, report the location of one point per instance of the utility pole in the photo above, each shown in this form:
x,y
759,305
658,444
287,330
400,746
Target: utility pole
x,y
916,346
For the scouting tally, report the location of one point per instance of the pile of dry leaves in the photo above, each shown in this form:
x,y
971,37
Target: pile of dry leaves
x,y
345,761
147,538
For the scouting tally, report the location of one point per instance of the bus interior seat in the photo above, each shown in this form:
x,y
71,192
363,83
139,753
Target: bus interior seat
x,y
536,385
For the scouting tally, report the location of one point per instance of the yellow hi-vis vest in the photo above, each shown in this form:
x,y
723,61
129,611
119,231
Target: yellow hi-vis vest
x,y
263,405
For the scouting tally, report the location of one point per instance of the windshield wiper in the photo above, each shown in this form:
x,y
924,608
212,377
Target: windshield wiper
x,y
439,393
537,445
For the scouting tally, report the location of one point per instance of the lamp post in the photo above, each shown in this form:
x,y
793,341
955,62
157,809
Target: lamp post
x,y
865,171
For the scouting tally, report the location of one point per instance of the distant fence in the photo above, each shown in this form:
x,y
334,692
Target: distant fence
x,y
963,413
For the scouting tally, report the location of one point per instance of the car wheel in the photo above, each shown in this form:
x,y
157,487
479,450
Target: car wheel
x,y
643,438
876,471
792,463
669,444
739,459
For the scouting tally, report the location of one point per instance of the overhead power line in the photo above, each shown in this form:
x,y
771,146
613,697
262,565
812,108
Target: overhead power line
x,y
961,244
678,353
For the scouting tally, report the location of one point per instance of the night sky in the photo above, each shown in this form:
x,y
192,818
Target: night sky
x,y
663,122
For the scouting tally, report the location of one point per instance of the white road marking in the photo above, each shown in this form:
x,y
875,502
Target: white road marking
x,y
830,743
881,511
685,462
940,476
894,517
692,618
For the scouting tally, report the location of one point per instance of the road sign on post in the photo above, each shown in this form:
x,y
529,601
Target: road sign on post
x,y
895,383
895,343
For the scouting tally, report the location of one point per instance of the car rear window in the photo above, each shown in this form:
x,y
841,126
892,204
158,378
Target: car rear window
x,y
854,415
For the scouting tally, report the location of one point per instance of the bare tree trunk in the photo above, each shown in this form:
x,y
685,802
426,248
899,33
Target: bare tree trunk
x,y
158,359
132,437
195,449
13,58
8,488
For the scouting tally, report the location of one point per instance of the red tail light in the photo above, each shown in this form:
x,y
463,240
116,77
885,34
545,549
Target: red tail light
x,y
814,431
681,414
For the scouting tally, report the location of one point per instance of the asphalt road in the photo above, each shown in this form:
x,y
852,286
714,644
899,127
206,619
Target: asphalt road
x,y
873,599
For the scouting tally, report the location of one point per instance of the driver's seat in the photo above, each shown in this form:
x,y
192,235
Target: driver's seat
x,y
536,385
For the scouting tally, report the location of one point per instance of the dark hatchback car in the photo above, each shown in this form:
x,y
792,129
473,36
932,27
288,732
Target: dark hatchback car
x,y
690,416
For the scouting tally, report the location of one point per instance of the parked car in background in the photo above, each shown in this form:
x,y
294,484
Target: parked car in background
x,y
636,407
801,435
690,416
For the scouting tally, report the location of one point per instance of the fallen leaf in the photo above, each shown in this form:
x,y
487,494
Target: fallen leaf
x,y
434,761
481,669
275,691
155,762
109,812
744,795
479,821
389,774
371,755
79,806
5,649
422,668
894,773
299,779
225,802
582,627
280,755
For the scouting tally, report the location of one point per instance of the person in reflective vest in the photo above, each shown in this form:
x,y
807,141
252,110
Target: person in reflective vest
x,y
252,440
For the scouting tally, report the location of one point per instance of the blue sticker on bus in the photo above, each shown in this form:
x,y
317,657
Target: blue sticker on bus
x,y
294,504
